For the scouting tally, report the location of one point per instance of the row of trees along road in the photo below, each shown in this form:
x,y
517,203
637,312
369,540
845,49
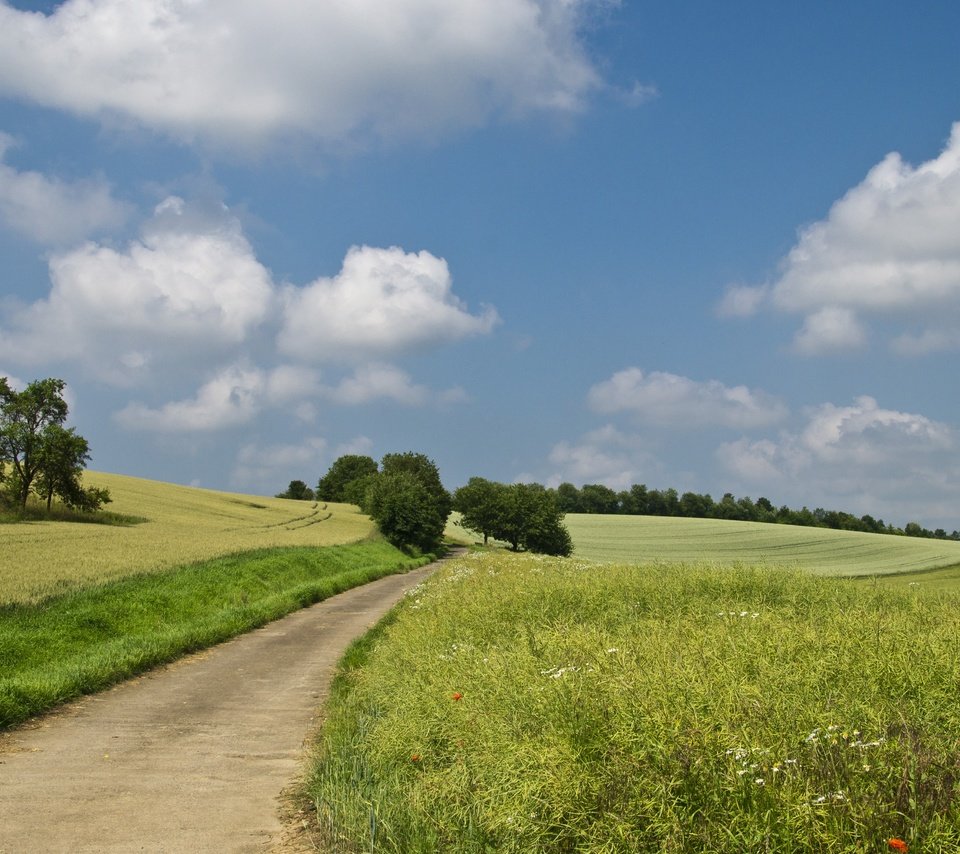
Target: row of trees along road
x,y
406,498
38,454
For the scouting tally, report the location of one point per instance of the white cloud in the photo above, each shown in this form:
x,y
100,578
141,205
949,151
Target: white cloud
x,y
372,382
270,468
50,210
862,458
190,285
233,397
382,303
742,300
887,250
830,329
669,400
239,72
605,455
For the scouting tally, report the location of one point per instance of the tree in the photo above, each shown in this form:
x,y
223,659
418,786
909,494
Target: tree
x,y
347,479
425,471
24,418
44,456
61,459
597,498
297,490
531,519
480,504
407,509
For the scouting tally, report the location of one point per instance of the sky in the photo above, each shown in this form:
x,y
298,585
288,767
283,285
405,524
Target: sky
x,y
713,247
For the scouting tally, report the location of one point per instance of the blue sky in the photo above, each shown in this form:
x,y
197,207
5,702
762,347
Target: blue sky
x,y
707,246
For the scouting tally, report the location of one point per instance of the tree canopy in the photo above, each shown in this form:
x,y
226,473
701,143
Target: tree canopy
x,y
408,502
347,479
525,515
37,453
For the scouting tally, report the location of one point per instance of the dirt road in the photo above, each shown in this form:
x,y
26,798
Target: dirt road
x,y
189,758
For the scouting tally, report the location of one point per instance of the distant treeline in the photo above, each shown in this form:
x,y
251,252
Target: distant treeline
x,y
640,501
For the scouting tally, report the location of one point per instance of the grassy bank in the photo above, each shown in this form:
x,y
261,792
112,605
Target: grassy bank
x,y
525,704
86,640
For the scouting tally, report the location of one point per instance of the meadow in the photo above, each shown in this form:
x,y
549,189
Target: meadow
x,y
183,525
517,703
642,539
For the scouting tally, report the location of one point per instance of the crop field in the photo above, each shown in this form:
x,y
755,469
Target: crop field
x,y
184,524
644,539
518,703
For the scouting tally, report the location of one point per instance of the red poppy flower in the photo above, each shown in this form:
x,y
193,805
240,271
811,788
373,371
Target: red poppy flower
x,y
457,695
898,845
414,757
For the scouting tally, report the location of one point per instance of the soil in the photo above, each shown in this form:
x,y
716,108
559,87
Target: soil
x,y
203,755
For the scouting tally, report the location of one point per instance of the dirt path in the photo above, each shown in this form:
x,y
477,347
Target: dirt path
x,y
191,757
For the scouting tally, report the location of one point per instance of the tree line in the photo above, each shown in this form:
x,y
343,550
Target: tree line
x,y
529,516
641,501
406,499
38,454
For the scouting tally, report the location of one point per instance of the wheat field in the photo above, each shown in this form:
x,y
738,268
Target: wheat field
x,y
184,524
645,539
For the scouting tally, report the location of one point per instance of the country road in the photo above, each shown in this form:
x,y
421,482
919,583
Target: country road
x,y
191,757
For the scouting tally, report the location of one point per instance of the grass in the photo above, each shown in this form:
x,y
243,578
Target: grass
x,y
88,639
516,703
644,539
184,525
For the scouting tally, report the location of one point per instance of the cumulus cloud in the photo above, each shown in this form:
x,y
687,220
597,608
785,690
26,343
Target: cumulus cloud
x,y
371,382
233,397
239,72
606,455
670,400
887,250
190,285
862,457
270,468
50,210
384,302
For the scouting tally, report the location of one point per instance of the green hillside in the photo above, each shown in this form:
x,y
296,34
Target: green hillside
x,y
645,539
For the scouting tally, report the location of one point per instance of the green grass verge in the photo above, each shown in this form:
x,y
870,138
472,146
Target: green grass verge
x,y
84,641
516,703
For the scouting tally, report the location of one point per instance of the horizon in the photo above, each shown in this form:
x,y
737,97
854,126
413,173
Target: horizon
x,y
589,242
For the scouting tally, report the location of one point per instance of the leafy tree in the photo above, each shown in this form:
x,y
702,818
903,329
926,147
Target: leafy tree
x,y
24,416
43,456
531,519
425,471
340,483
597,498
407,511
568,498
61,459
480,504
297,490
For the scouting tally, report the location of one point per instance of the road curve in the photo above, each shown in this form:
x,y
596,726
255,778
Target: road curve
x,y
191,757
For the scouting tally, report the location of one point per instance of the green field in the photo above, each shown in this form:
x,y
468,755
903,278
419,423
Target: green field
x,y
515,703
183,525
645,539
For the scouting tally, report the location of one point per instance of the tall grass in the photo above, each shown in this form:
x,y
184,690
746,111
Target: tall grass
x,y
83,641
520,704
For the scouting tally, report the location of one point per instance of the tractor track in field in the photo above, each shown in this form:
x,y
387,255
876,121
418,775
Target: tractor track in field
x,y
197,756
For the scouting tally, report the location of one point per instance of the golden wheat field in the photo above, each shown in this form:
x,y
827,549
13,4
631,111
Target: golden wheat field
x,y
184,524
